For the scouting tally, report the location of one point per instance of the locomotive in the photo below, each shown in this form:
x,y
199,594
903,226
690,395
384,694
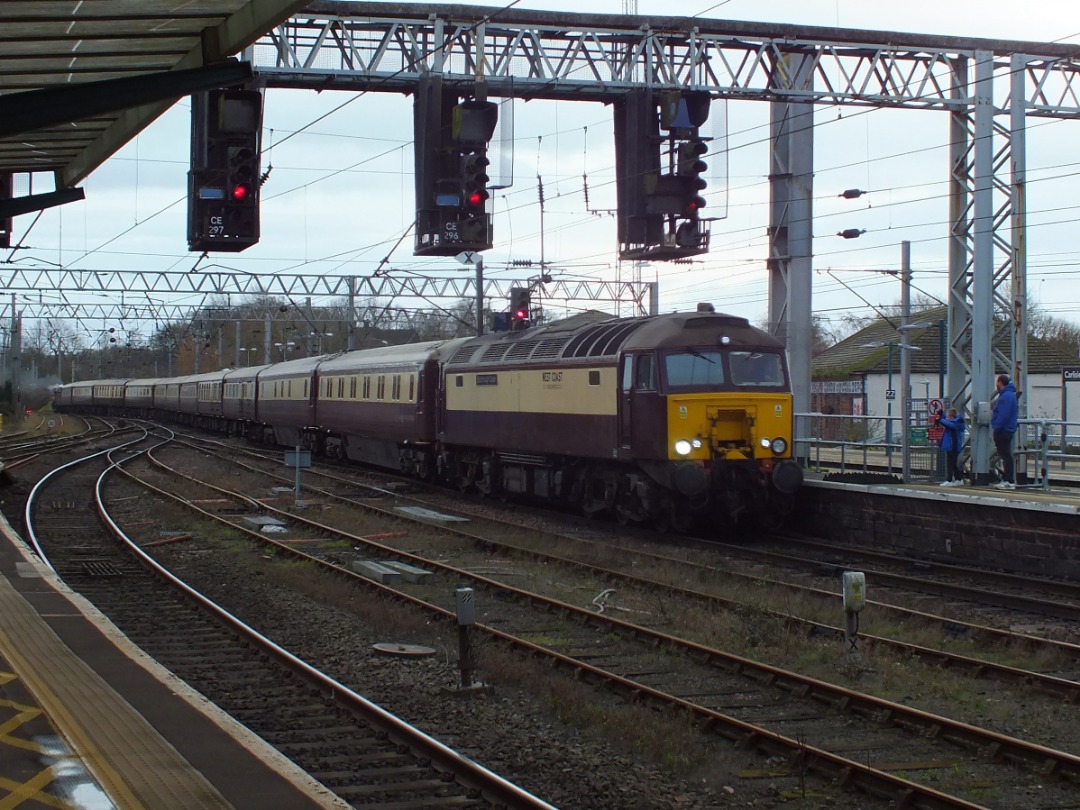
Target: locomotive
x,y
677,419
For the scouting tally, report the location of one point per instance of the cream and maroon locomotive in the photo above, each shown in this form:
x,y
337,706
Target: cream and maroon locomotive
x,y
680,419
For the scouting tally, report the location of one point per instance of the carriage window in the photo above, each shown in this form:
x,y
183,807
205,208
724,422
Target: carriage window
x,y
756,368
594,378
694,368
627,373
396,388
412,387
352,387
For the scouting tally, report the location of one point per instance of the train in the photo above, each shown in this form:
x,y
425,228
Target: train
x,y
681,420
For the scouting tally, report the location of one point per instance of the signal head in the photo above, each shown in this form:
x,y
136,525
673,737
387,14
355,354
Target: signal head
x,y
689,158
242,192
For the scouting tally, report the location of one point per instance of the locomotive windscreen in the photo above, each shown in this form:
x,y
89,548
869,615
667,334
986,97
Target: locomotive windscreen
x,y
694,369
756,368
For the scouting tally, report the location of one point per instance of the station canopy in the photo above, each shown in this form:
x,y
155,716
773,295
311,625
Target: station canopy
x,y
81,78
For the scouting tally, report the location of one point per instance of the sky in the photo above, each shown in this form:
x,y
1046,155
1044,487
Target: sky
x,y
340,192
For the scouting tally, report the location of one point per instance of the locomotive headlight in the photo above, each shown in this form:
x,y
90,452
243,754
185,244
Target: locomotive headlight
x,y
696,443
683,447
765,442
779,446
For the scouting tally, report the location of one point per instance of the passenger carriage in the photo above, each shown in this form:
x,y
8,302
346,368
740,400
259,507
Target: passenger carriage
x,y
238,402
139,397
380,406
107,397
285,402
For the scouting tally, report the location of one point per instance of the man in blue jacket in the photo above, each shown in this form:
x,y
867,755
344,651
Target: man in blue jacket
x,y
1003,424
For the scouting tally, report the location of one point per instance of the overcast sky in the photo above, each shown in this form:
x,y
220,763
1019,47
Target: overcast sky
x,y
341,191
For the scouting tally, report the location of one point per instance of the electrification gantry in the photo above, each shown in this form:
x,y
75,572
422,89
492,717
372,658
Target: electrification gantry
x,y
989,88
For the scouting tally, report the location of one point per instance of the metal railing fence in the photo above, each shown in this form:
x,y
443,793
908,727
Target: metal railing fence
x,y
872,444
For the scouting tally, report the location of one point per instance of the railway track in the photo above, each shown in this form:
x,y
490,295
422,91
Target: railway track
x,y
21,449
751,702
629,566
359,751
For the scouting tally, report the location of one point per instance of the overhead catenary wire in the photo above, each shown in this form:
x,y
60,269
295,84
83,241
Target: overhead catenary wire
x,y
555,184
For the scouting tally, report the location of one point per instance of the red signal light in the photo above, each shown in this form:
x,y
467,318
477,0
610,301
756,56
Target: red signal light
x,y
476,198
241,192
521,314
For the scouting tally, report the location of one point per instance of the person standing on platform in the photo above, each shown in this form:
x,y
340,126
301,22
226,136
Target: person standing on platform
x,y
1003,424
952,442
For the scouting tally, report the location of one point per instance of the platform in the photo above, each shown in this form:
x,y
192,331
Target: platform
x,y
1065,501
1026,530
88,721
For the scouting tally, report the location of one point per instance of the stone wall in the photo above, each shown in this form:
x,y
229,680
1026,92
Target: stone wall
x,y
962,527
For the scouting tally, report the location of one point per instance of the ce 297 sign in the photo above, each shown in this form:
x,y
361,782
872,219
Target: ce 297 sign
x,y
215,225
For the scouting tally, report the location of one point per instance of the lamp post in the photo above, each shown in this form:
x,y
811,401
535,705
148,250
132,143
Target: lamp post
x,y
890,395
316,338
247,354
284,348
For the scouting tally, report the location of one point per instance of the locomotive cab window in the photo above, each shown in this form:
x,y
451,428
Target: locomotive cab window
x,y
694,369
645,377
627,373
756,368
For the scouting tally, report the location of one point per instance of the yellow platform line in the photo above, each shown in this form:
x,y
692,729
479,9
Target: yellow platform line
x,y
31,791
64,722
